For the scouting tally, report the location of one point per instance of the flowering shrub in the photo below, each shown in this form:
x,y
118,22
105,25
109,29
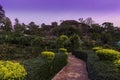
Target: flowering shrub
x,y
97,48
63,50
61,41
11,71
108,54
48,54
117,63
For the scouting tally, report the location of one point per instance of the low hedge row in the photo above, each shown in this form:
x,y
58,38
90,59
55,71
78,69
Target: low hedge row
x,y
101,70
108,54
101,66
41,68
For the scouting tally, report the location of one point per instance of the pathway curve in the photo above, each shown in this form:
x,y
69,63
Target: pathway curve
x,y
74,70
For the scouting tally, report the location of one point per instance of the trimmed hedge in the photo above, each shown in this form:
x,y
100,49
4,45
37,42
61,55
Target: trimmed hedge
x,y
96,48
41,68
48,55
80,54
108,54
62,49
11,71
101,70
117,63
61,59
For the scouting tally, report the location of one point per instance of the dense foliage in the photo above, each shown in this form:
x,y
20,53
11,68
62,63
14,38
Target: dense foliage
x,y
61,41
117,63
11,71
75,42
41,69
101,70
108,54
80,54
24,42
48,54
97,48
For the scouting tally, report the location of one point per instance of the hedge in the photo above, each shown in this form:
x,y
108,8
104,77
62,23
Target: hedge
x,y
48,55
101,70
96,48
80,54
41,68
108,54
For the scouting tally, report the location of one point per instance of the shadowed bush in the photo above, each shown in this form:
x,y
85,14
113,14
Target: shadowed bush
x,y
41,68
80,54
101,70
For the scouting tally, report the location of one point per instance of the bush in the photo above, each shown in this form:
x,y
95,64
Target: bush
x,y
117,63
96,48
38,69
41,69
11,71
101,70
7,51
48,54
80,54
61,41
61,59
75,42
38,41
63,50
106,70
108,54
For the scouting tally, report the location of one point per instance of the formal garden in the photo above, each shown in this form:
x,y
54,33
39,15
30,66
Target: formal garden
x,y
33,52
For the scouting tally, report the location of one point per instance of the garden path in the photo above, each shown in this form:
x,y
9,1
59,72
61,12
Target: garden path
x,y
74,70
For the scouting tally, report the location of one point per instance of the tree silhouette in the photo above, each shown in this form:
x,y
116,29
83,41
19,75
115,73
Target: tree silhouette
x,y
20,28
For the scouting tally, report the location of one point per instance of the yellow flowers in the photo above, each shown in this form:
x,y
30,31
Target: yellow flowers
x,y
48,54
97,48
11,71
108,54
63,50
117,63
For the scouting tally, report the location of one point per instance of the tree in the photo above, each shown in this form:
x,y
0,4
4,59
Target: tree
x,y
19,28
2,16
75,42
68,27
7,25
95,30
108,26
2,13
61,41
33,29
54,24
87,21
81,20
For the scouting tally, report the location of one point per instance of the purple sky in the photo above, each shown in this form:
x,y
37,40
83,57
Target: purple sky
x,y
48,11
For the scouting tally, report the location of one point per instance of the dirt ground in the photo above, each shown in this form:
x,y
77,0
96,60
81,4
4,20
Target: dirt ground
x,y
74,70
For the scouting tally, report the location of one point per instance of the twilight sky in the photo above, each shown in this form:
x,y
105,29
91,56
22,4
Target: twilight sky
x,y
48,11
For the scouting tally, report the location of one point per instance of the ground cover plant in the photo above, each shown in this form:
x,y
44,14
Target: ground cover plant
x,y
12,71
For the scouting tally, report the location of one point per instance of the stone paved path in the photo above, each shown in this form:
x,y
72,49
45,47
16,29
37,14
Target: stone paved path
x,y
74,70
